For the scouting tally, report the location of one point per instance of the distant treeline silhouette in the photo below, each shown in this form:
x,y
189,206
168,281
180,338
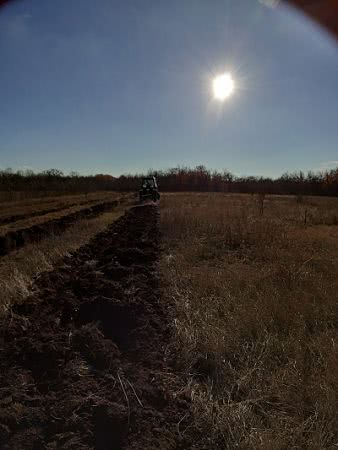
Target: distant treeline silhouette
x,y
198,179
52,181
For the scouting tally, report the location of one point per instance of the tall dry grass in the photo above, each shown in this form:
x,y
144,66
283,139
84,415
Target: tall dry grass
x,y
256,318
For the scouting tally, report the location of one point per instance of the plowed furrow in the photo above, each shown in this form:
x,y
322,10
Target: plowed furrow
x,y
83,362
18,234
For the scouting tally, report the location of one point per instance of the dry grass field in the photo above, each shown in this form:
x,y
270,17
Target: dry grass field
x,y
254,282
248,286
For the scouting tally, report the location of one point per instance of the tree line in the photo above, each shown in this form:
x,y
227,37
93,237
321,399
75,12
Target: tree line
x,y
198,179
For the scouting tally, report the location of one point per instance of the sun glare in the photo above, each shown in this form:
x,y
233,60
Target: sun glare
x,y
223,86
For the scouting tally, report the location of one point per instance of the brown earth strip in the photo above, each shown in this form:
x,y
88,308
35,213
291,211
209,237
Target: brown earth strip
x,y
83,363
25,207
18,235
6,219
19,269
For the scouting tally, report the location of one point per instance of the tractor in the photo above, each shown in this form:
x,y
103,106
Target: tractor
x,y
149,189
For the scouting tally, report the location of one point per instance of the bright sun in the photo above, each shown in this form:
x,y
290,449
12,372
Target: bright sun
x,y
223,86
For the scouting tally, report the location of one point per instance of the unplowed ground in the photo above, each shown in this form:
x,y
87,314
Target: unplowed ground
x,y
84,362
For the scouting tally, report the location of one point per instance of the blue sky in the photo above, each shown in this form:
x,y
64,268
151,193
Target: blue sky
x,y
123,86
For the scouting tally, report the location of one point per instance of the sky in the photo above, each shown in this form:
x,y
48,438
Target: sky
x,y
121,86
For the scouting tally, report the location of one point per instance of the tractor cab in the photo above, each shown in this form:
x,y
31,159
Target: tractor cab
x,y
149,189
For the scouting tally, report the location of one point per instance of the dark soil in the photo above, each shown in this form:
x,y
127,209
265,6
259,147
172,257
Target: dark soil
x,y
83,362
